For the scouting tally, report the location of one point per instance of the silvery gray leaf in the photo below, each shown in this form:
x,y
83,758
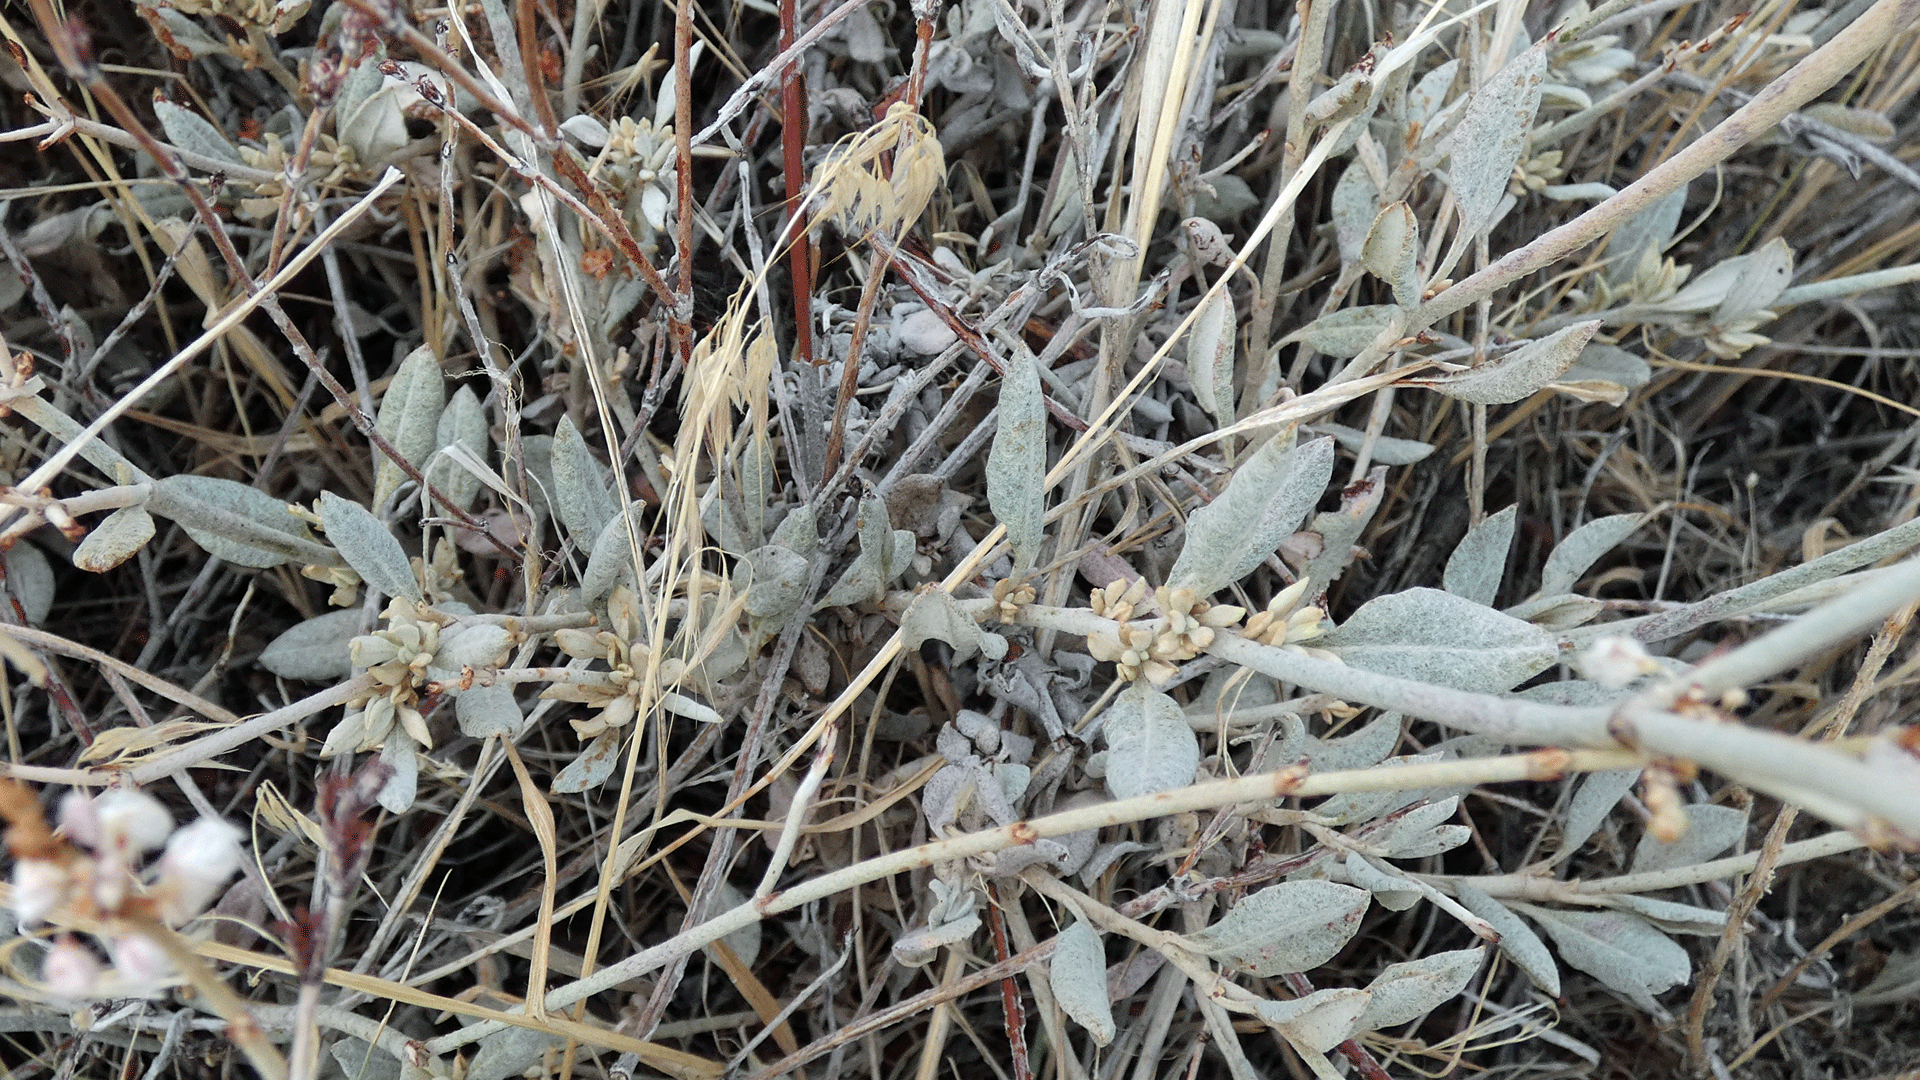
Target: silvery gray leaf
x,y
1520,373
869,574
1600,363
30,580
1598,794
359,1058
1390,892
1340,530
1711,830
1423,831
509,1052
488,710
1210,349
1492,135
1017,462
1318,1022
1292,926
744,942
1517,940
1078,972
1762,278
798,531
759,484
1351,807
591,769
368,546
1264,502
1621,950
1356,202
934,614
1409,990
1647,231
1361,749
1346,333
779,582
1671,917
1583,547
612,555
1105,855
1436,637
1562,612
190,131
1479,561
472,645
1391,252
403,784
115,540
1150,748
1386,449
581,498
409,419
314,650
241,524
463,423
1427,95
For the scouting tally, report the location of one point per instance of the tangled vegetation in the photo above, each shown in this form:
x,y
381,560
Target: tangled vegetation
x,y
1078,540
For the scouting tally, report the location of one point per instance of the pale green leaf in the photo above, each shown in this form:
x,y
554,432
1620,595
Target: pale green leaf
x,y
1210,351
1269,495
409,419
115,540
1150,747
1584,546
1479,561
1017,461
368,546
1435,637
1292,926
582,500
1407,991
1517,940
240,524
1078,973
1318,1022
1621,950
1710,830
190,131
314,650
1519,373
1492,135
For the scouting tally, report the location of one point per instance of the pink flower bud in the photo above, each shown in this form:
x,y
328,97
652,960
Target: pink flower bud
x,y
143,964
199,861
38,887
132,820
70,969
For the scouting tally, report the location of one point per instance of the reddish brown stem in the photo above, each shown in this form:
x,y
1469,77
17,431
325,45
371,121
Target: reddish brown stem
x,y
1010,1005
793,143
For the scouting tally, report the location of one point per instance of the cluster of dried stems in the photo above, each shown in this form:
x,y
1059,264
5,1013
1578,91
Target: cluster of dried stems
x,y
1061,539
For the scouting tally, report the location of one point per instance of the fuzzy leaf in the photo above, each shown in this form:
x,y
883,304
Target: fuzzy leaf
x,y
1265,501
1389,891
1407,991
934,614
1292,926
1599,793
314,650
476,645
870,570
611,557
1436,637
1572,557
1318,1022
1356,202
592,767
368,546
1479,562
1362,749
1609,364
1017,463
1345,333
409,419
1671,917
115,540
1621,950
1424,831
463,423
240,524
488,710
1710,831
582,501
1210,356
1492,135
403,785
188,130
1078,973
1387,450
1427,95
1519,373
1762,278
779,582
1517,940
1392,252
1647,231
1150,747
29,577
